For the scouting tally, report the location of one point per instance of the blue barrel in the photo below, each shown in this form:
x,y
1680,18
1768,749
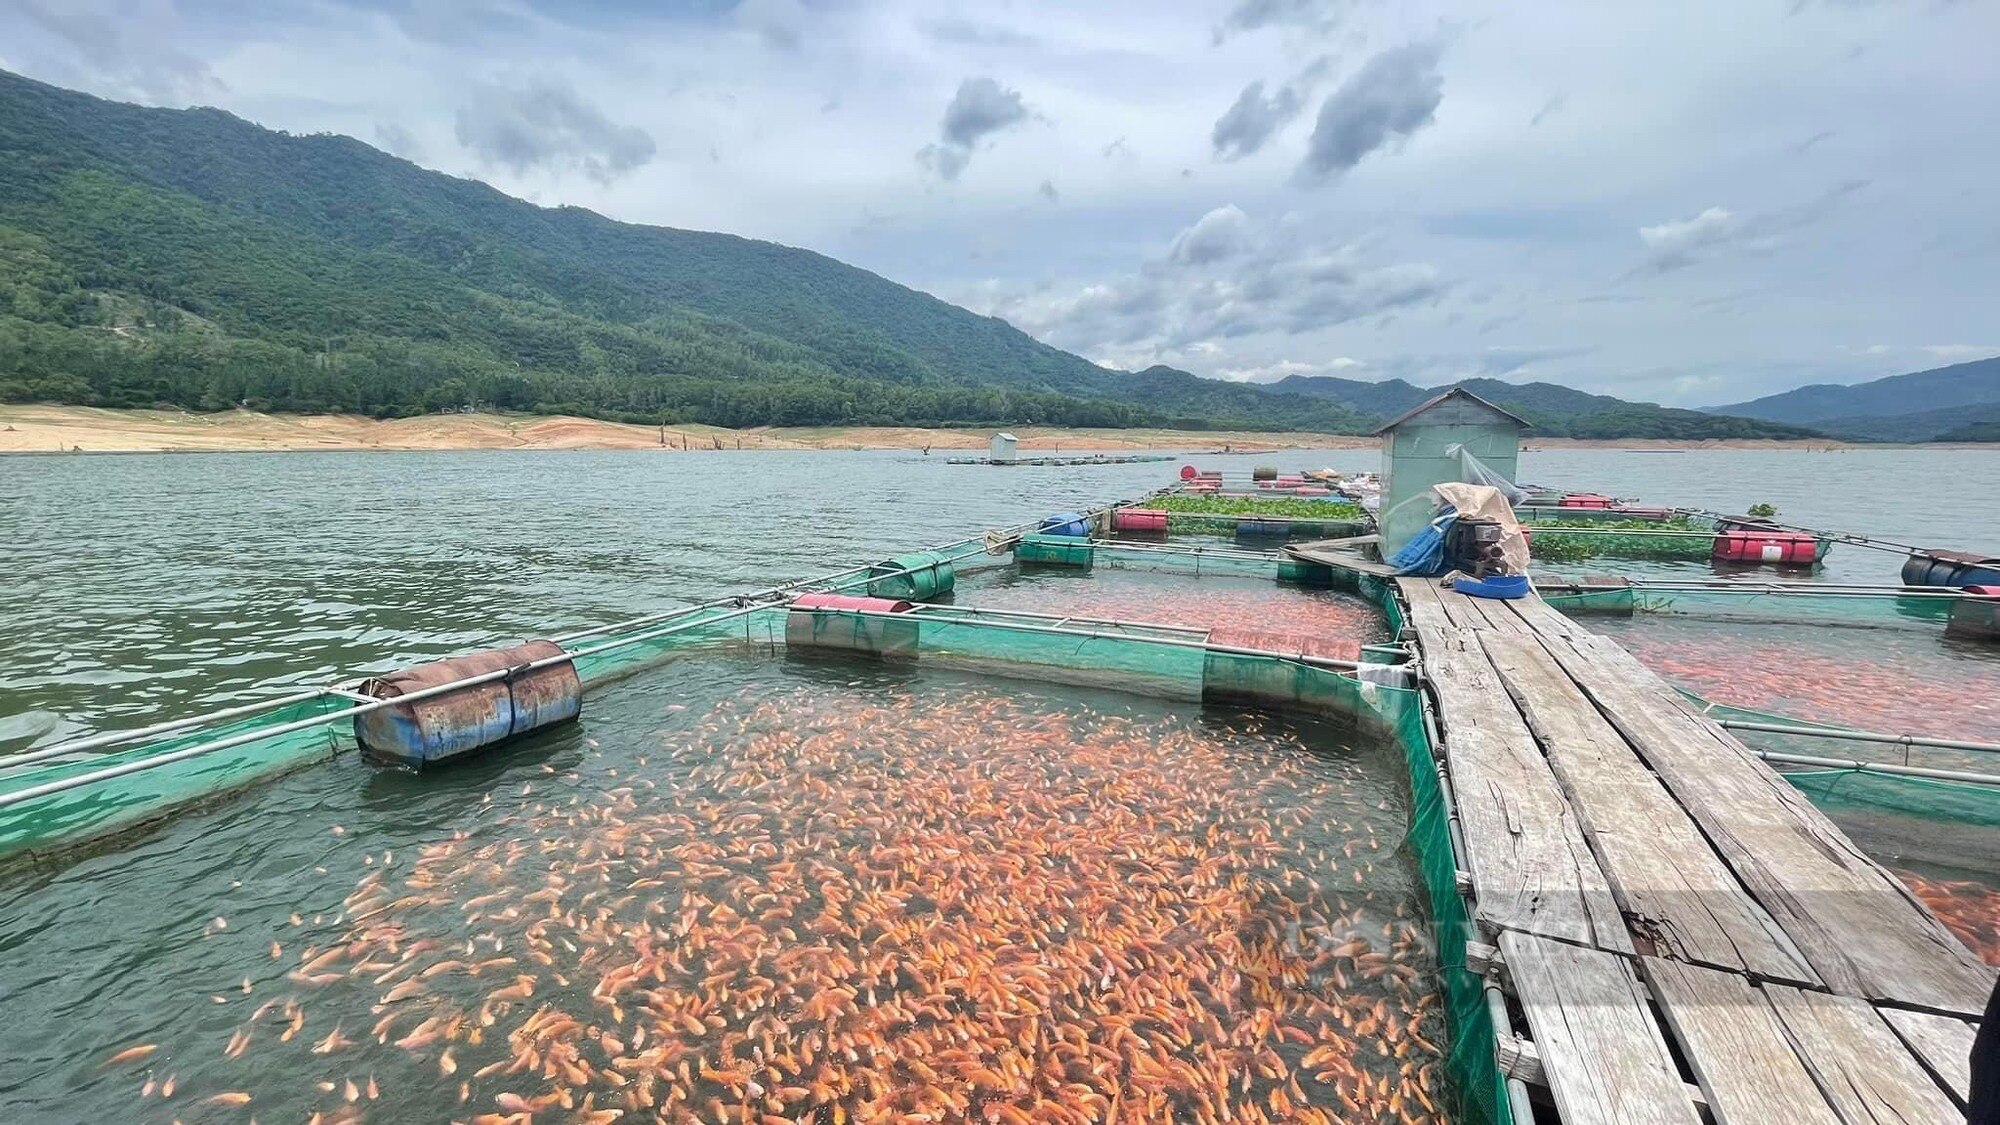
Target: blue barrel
x,y
1067,523
1251,528
1950,568
460,721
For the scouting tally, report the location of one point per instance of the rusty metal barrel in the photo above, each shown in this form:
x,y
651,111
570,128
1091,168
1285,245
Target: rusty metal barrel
x,y
459,721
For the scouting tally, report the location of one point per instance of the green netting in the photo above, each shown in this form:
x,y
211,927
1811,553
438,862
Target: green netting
x,y
1471,1058
120,802
1836,789
1924,798
1187,523
1218,562
643,645
1618,602
1830,609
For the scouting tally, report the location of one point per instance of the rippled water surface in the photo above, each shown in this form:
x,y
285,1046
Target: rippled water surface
x,y
142,587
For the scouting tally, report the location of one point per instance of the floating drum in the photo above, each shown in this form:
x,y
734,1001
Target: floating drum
x,y
1951,568
1066,523
1586,500
1251,527
472,717
1055,550
843,621
1139,519
1188,472
1975,616
1264,472
918,577
1312,491
1785,548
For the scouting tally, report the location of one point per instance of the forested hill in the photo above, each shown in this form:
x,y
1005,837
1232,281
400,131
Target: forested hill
x,y
190,258
1554,410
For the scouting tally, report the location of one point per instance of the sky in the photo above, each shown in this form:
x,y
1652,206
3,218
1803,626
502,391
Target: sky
x,y
1693,203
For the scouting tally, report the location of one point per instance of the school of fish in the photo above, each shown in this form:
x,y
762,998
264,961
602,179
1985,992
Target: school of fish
x,y
827,903
1206,603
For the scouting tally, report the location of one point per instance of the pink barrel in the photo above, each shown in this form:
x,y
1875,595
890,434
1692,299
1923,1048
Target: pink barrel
x,y
849,601
1139,519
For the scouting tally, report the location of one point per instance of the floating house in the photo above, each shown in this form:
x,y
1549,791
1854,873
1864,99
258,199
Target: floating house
x,y
1427,446
1002,448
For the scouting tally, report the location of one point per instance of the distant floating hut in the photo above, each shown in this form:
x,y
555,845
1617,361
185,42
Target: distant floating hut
x,y
1001,449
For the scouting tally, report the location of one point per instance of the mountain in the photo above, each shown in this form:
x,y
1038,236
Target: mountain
x,y
191,258
1553,409
1881,409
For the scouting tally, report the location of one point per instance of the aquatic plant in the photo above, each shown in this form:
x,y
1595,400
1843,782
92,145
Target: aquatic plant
x,y
1288,507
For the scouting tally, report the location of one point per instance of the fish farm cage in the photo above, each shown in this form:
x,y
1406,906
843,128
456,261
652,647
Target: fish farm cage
x,y
908,609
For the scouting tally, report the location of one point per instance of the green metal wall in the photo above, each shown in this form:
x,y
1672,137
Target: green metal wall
x,y
1414,459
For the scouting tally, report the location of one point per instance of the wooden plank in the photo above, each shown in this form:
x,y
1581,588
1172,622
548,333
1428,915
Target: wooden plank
x,y
1494,615
1943,1044
1679,899
1531,869
1601,1052
1862,1067
1736,1046
1862,931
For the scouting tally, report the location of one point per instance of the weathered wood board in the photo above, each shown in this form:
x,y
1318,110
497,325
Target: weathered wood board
x,y
1531,869
1864,1070
1736,1047
1859,928
1679,899
1941,1043
1601,1052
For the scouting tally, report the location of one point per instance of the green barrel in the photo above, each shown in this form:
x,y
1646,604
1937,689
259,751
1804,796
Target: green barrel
x,y
1055,550
915,578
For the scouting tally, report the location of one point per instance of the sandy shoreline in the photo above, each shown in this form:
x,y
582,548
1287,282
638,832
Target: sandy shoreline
x,y
65,429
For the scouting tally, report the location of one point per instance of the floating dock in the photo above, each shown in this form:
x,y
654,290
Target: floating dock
x,y
1684,935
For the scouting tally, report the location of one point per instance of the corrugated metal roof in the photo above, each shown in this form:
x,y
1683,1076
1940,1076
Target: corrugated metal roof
x,y
1455,392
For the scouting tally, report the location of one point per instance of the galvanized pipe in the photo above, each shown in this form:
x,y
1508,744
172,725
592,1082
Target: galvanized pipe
x,y
33,791
110,738
976,610
1099,635
1860,736
1877,767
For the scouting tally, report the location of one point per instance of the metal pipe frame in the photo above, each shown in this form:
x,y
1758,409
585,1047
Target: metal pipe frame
x,y
1878,767
1100,635
1843,734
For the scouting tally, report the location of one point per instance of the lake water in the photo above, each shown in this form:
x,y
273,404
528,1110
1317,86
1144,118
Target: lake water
x,y
146,586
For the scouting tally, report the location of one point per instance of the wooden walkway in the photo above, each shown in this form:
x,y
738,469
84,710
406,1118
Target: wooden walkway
x,y
1680,928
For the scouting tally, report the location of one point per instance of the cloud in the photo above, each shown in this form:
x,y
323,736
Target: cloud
x,y
1958,353
1392,96
546,125
779,23
123,50
980,108
1678,243
1318,16
1222,278
1549,109
1255,116
393,138
1286,368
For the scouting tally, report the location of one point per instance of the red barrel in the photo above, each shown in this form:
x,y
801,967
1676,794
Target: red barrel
x,y
1315,492
1188,472
1788,548
849,601
1586,500
1139,519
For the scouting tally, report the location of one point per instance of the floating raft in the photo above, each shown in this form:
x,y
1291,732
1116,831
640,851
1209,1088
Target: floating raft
x,y
1099,459
1649,893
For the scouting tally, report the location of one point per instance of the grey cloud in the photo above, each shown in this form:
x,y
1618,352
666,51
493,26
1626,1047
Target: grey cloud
x,y
1393,95
1549,109
547,125
779,23
1222,278
393,138
1251,121
1048,191
980,108
1252,15
127,50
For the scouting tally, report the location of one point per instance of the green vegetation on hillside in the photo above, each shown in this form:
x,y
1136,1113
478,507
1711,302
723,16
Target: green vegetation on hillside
x,y
153,257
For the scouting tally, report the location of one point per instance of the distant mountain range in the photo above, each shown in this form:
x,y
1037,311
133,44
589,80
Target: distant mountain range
x,y
1956,403
156,257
